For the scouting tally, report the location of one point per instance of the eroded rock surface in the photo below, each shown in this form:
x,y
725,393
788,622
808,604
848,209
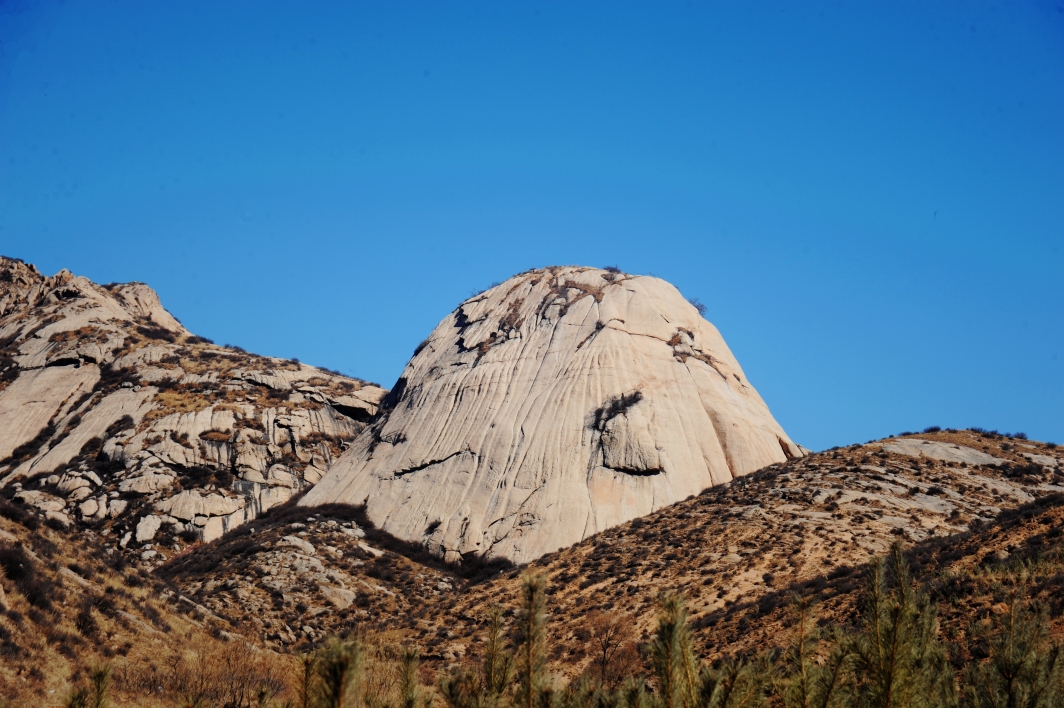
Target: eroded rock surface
x,y
938,450
113,415
550,407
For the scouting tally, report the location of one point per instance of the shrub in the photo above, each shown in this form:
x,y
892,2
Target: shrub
x,y
156,332
23,572
19,514
613,407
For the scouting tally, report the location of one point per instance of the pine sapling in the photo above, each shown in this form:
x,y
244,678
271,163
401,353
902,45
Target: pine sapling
x,y
1025,668
532,642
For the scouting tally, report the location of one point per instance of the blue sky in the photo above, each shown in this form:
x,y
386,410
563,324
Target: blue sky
x,y
868,197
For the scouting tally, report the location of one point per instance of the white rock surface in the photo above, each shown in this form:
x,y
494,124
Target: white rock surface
x,y
937,450
35,397
1044,460
550,407
148,527
135,404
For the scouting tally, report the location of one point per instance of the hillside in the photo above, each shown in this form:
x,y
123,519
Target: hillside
x,y
71,604
158,509
738,551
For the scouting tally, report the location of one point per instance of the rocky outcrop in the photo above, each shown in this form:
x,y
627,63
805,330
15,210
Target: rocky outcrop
x,y
113,415
557,404
938,450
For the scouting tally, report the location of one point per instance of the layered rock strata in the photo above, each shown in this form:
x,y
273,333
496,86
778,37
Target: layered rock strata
x,y
557,404
113,415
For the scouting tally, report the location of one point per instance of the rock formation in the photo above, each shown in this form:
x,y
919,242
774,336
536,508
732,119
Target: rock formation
x,y
113,415
557,404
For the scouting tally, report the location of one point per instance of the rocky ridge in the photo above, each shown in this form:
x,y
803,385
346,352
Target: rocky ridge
x,y
114,417
555,405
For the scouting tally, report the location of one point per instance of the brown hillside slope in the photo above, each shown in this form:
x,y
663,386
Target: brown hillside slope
x,y
113,417
67,604
737,551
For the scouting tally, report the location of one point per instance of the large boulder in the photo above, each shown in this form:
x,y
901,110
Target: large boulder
x,y
550,407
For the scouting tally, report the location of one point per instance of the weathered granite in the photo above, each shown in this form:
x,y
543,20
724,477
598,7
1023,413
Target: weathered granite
x,y
557,404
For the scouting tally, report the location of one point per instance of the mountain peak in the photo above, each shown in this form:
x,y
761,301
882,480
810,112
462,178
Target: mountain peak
x,y
556,404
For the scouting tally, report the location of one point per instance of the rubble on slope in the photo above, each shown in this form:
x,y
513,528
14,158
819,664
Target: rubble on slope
x,y
296,575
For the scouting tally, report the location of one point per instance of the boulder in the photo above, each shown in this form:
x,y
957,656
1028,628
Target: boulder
x,y
340,597
297,542
191,503
146,483
89,507
147,527
555,405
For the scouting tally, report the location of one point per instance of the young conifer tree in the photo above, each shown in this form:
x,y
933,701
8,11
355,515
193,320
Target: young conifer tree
x,y
97,694
409,678
100,686
491,688
675,666
1025,669
498,668
532,683
339,674
735,684
804,681
898,660
633,694
306,681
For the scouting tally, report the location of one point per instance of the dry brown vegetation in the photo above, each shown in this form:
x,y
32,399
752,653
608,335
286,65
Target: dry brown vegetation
x,y
69,606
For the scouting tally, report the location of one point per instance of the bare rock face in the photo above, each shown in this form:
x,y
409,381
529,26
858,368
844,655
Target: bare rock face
x,y
550,407
113,415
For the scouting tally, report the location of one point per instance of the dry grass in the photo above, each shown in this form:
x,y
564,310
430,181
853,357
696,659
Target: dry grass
x,y
75,606
179,401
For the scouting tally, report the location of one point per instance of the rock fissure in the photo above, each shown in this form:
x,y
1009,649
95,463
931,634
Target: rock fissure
x,y
634,471
430,463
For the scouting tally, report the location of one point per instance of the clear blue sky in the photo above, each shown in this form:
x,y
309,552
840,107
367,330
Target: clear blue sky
x,y
868,197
